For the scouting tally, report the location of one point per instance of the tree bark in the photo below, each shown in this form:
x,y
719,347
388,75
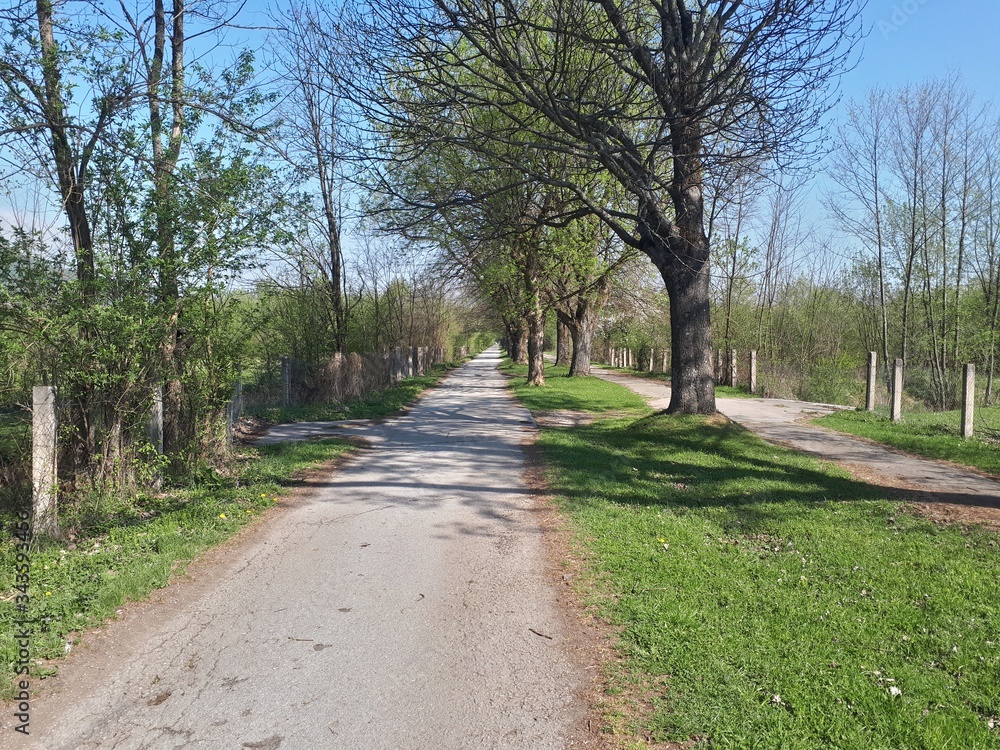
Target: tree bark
x,y
536,345
562,341
581,326
166,148
681,252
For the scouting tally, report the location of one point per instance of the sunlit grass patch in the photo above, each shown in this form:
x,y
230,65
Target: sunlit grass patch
x,y
771,600
931,434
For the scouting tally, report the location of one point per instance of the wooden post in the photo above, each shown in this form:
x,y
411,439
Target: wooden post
x,y
968,399
753,372
44,429
872,374
732,368
286,380
897,390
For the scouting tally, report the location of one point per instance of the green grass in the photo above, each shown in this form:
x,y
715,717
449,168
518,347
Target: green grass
x,y
931,434
770,601
126,547
374,405
575,394
728,391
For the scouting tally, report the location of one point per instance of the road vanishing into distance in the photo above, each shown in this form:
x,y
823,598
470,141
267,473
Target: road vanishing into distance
x,y
405,601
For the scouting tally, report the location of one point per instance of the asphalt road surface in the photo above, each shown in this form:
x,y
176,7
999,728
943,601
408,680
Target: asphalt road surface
x,y
405,603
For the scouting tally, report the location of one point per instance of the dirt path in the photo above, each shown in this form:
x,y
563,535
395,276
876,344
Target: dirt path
x,y
941,491
405,602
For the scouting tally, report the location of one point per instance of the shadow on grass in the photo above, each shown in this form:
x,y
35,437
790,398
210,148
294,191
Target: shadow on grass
x,y
691,462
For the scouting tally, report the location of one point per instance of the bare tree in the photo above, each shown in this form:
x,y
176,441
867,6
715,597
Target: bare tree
x,y
858,167
311,61
653,94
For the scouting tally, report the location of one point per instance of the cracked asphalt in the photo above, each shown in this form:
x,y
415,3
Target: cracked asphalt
x,y
405,603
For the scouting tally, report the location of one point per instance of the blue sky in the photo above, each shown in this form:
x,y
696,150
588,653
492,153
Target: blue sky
x,y
912,40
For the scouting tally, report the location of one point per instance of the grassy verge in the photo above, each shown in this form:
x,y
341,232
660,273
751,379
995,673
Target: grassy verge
x,y
123,548
931,434
768,601
575,394
375,405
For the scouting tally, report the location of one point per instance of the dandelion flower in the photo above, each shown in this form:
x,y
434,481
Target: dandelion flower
x,y
222,515
48,593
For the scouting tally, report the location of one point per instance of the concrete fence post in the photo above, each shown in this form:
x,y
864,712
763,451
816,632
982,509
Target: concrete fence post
x,y
753,372
154,428
235,410
897,390
732,368
44,449
286,380
872,374
664,368
968,399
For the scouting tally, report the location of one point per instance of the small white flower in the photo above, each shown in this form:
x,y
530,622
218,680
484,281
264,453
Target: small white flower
x,y
895,692
776,699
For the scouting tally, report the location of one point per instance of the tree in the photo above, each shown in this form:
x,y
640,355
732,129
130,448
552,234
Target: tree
x,y
653,94
40,121
312,62
858,166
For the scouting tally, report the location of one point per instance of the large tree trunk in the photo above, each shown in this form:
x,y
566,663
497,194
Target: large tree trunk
x,y
583,339
522,344
536,346
691,376
680,250
562,341
581,326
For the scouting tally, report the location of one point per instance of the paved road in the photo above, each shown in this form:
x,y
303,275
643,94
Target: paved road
x,y
405,604
787,423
